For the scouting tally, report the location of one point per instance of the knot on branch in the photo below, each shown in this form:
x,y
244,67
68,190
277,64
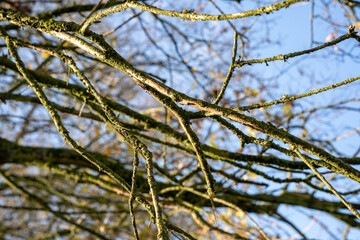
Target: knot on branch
x,y
351,30
282,57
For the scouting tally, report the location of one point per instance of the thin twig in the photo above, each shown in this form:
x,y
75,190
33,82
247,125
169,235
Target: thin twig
x,y
281,57
287,98
322,178
132,196
230,72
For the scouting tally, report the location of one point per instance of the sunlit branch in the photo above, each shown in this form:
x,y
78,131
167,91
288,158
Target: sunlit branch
x,y
350,34
186,15
291,98
230,72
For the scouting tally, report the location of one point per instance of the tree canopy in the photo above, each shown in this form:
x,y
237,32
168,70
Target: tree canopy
x,y
208,119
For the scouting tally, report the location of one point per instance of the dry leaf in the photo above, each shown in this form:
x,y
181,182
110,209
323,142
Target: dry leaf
x,y
330,37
